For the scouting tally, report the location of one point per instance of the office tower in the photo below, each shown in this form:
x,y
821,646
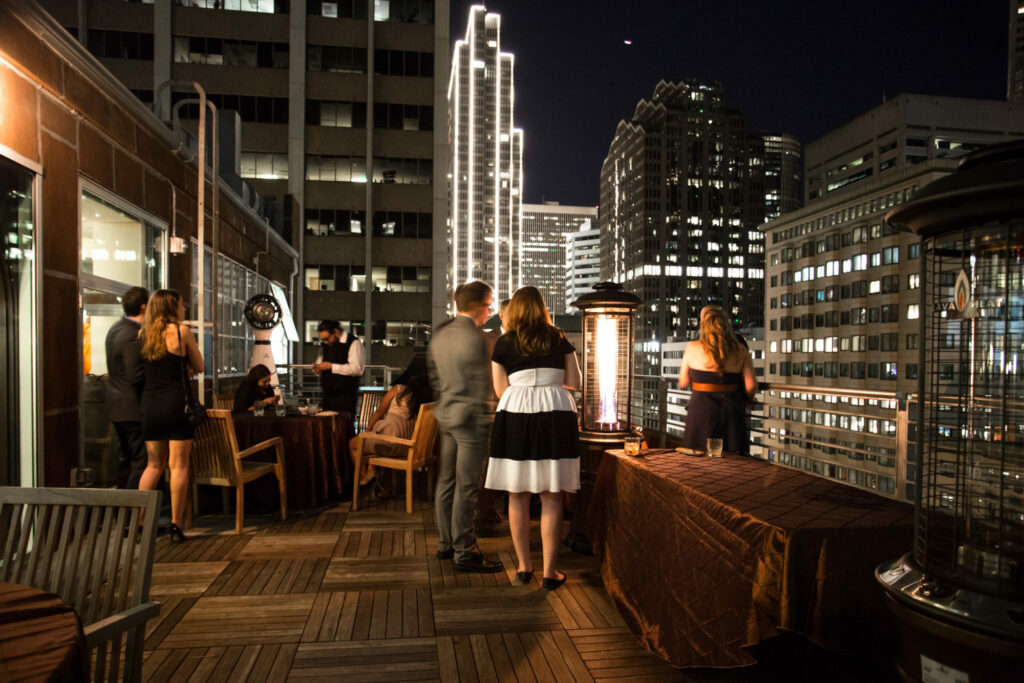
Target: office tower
x,y
843,293
544,264
783,170
582,262
338,103
682,193
486,157
1015,56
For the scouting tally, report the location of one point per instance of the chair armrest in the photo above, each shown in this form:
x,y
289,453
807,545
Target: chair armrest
x,y
386,438
105,629
261,446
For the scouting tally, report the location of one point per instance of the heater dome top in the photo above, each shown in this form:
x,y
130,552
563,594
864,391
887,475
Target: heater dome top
x,y
263,312
608,294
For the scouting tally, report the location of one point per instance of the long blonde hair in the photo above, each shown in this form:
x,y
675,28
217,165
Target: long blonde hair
x,y
528,319
718,339
161,311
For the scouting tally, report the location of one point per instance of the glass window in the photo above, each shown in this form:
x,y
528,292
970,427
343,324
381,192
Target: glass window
x,y
18,322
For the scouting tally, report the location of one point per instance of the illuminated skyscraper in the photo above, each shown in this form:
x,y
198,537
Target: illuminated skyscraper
x,y
485,166
783,174
545,230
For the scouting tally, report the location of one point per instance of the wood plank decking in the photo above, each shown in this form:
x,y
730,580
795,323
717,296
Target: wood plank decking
x,y
360,596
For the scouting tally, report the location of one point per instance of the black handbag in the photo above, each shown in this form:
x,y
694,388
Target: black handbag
x,y
195,412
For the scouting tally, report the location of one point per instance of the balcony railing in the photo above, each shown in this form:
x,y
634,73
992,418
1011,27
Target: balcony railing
x,y
865,439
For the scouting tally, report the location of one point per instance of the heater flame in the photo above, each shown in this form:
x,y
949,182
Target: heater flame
x,y
607,365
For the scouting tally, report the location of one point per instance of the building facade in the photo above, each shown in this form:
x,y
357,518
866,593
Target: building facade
x,y
783,170
340,112
98,195
582,262
682,193
843,295
1015,55
486,160
545,233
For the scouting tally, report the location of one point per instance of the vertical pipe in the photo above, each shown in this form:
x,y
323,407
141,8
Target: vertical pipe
x,y
368,215
201,231
213,259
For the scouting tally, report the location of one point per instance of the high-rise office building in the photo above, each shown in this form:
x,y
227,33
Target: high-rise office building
x,y
682,193
544,260
582,262
843,295
783,170
1015,66
338,103
486,157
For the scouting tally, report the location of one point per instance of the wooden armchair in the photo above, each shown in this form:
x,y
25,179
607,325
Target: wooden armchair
x,y
223,402
94,549
216,460
418,452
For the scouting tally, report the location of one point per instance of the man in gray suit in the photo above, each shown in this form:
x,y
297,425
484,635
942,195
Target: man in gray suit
x,y
460,374
124,386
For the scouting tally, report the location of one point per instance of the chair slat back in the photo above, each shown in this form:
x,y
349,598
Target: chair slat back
x,y
424,434
222,402
84,545
367,407
215,447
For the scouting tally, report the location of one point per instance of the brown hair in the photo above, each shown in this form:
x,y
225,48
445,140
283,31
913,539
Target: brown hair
x,y
470,293
717,338
161,311
528,319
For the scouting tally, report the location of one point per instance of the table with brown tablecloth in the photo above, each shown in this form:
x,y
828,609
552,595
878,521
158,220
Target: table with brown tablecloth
x,y
317,465
705,557
41,637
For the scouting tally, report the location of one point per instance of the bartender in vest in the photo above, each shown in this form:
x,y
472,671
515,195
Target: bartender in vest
x,y
340,366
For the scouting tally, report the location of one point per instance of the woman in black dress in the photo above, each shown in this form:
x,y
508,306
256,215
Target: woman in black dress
x,y
169,352
718,368
533,443
256,387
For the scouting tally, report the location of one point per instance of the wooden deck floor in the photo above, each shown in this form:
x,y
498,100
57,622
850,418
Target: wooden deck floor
x,y
360,596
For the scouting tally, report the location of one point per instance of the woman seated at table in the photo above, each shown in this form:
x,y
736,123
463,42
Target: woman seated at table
x,y
720,372
396,415
256,387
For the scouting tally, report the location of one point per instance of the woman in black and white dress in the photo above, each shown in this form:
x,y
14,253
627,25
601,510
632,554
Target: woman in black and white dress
x,y
533,443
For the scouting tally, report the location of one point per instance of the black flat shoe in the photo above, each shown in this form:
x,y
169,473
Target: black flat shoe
x,y
552,584
177,534
478,564
446,554
524,577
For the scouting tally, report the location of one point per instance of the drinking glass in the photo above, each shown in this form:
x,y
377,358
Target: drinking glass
x,y
257,408
279,409
714,448
632,445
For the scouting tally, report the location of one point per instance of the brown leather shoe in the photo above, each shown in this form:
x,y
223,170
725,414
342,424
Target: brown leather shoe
x,y
478,564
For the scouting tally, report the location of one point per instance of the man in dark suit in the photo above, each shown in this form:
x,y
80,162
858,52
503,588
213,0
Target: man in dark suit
x,y
460,375
124,386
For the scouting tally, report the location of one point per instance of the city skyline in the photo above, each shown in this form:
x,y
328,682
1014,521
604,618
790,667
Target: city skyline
x,y
576,84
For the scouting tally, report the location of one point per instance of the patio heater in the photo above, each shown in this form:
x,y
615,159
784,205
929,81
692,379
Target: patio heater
x,y
607,368
959,595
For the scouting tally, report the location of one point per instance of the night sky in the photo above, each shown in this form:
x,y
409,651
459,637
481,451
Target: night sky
x,y
797,66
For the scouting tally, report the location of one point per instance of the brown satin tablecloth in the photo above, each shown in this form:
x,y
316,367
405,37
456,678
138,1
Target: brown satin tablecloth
x,y
41,637
705,557
317,465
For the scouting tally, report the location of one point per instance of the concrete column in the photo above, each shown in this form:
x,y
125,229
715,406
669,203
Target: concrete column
x,y
163,54
439,294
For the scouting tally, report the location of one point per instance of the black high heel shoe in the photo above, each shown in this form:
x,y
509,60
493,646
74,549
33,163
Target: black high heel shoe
x,y
524,577
552,584
176,533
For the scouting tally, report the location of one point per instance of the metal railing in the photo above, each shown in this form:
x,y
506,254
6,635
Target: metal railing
x,y
865,439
